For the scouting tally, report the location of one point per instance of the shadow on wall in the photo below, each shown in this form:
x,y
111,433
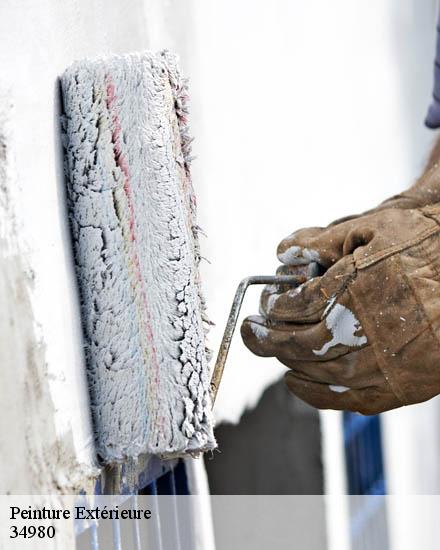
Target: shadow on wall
x,y
275,449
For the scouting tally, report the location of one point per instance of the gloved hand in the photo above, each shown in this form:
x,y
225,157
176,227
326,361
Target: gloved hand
x,y
364,336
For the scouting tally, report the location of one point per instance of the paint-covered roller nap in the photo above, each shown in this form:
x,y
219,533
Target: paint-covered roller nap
x,y
135,241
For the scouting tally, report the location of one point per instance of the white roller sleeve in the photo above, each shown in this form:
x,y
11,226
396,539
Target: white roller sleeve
x,y
132,214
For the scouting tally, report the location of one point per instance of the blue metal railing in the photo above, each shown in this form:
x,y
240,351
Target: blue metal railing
x,y
158,478
363,454
366,478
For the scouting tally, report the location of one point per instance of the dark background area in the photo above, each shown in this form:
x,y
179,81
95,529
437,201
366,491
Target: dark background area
x,y
275,449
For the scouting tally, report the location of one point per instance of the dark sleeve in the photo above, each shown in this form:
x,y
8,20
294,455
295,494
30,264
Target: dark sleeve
x,y
433,117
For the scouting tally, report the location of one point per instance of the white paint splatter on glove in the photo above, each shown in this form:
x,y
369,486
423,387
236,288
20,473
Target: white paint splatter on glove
x,y
343,325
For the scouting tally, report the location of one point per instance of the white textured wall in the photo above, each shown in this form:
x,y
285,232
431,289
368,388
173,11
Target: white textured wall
x,y
38,40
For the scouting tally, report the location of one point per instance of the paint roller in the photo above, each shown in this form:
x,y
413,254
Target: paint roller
x,y
132,213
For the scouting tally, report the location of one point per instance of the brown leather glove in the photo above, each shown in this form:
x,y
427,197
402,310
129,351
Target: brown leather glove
x,y
364,336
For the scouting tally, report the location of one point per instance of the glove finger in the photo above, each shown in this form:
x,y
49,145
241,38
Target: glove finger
x,y
302,272
321,245
296,249
336,335
371,400
355,370
307,302
326,246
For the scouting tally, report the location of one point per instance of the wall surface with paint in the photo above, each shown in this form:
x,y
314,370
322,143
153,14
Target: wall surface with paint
x,y
40,318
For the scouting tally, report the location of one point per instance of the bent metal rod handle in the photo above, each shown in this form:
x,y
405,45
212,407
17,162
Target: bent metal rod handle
x,y
233,317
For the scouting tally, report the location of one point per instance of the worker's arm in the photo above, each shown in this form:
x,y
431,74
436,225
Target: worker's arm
x,y
365,335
